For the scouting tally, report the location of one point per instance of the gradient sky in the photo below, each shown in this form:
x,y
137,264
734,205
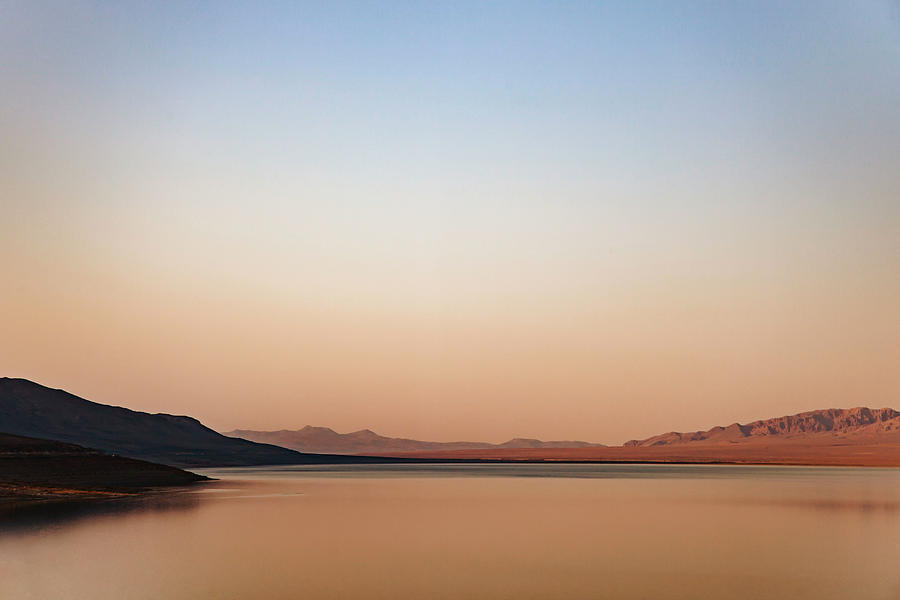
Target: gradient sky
x,y
572,220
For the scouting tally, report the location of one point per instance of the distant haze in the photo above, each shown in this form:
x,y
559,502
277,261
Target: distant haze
x,y
453,221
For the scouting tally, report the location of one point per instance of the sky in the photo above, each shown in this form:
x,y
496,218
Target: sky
x,y
453,220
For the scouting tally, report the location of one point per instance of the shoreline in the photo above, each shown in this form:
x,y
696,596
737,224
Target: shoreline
x,y
42,471
782,453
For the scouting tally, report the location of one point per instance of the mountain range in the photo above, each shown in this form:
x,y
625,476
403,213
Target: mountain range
x,y
854,436
831,424
365,441
32,410
840,437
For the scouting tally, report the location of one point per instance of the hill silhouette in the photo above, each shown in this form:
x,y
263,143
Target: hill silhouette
x,y
36,469
32,410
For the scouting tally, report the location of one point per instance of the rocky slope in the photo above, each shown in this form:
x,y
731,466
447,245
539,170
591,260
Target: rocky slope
x,y
821,425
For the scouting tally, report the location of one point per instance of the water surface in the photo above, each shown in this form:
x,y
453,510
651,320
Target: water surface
x,y
473,531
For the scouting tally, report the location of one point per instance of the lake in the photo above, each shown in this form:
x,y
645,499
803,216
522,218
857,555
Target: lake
x,y
472,531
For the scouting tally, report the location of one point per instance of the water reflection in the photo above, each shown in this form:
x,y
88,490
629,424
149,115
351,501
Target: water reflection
x,y
849,505
487,531
554,470
25,517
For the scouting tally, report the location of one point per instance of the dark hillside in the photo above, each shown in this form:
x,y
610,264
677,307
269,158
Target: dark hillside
x,y
43,469
32,410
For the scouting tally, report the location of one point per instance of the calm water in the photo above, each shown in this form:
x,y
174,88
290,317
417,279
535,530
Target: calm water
x,y
527,531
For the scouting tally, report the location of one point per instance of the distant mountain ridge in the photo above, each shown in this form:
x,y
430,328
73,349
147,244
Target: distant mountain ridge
x,y
833,422
366,441
32,410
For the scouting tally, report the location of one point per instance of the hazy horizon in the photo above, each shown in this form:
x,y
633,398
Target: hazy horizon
x,y
466,221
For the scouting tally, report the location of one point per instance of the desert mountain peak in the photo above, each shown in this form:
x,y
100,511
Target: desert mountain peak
x,y
830,421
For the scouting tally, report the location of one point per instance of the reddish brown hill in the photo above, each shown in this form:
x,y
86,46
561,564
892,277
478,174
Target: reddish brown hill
x,y
817,425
